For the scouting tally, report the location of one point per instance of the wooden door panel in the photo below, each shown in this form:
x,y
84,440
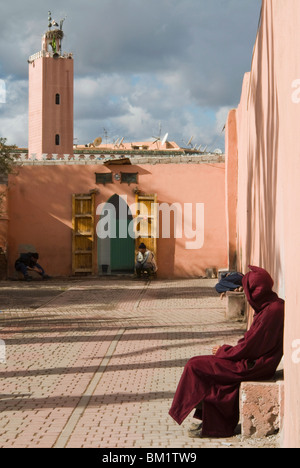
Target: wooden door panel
x,y
146,222
83,207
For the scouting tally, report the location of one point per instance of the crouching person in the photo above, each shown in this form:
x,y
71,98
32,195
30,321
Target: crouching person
x,y
29,262
145,261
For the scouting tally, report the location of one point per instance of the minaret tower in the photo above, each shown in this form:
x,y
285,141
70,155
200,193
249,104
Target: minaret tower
x,y
51,96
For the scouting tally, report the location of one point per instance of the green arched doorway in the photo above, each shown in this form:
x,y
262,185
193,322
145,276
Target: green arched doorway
x,y
116,252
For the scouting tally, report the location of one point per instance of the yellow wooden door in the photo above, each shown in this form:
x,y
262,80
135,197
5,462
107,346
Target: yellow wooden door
x,y
146,221
83,218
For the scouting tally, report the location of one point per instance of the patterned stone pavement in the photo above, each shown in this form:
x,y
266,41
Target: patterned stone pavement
x,y
95,362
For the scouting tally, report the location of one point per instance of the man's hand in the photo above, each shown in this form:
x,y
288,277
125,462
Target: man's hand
x,y
37,269
215,349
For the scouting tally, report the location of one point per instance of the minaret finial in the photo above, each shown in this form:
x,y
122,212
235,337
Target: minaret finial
x,y
49,20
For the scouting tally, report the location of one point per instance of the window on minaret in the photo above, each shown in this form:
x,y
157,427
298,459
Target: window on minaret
x,y
57,140
57,98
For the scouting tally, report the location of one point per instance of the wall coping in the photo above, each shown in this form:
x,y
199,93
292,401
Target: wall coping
x,y
92,158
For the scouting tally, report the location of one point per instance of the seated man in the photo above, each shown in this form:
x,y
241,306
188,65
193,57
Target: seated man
x,y
210,384
28,261
145,261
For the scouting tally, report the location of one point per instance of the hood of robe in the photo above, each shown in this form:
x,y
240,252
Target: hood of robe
x,y
258,286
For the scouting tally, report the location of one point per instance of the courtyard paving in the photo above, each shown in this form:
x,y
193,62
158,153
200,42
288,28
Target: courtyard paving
x,y
94,363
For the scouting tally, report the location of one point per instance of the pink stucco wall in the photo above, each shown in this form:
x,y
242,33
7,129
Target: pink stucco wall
x,y
40,211
231,185
268,227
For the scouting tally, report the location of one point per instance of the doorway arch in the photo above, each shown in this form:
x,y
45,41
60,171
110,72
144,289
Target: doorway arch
x,y
116,252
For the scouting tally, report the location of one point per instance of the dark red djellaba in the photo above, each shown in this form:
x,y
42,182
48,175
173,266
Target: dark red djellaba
x,y
210,384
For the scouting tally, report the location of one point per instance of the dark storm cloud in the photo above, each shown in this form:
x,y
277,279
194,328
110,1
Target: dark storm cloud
x,y
208,43
137,62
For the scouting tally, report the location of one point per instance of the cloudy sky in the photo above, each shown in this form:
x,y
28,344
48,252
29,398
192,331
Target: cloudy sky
x,y
142,67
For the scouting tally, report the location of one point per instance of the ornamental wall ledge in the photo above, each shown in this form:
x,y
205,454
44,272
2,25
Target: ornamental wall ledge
x,y
86,158
48,54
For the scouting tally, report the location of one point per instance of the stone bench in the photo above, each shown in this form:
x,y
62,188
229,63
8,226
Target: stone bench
x,y
261,407
235,305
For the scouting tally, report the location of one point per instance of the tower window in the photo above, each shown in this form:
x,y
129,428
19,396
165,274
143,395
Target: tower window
x,y
57,99
57,140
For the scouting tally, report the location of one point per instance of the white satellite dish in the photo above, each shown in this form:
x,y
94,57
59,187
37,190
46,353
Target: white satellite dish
x,y
97,141
164,139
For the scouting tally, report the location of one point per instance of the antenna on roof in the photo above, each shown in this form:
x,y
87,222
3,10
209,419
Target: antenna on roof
x,y
121,142
157,138
116,142
105,135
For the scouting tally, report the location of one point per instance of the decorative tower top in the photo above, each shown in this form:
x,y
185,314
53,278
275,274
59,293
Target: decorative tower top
x,y
52,41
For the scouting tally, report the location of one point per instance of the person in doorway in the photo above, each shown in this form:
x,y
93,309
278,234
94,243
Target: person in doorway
x,y
28,262
145,261
210,384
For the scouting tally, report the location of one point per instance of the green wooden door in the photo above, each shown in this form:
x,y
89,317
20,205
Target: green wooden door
x,y
122,246
122,249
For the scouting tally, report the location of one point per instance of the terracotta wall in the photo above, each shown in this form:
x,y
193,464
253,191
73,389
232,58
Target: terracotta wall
x,y
268,144
40,211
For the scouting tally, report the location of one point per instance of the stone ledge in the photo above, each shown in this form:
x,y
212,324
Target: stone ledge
x,y
99,158
261,407
235,305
